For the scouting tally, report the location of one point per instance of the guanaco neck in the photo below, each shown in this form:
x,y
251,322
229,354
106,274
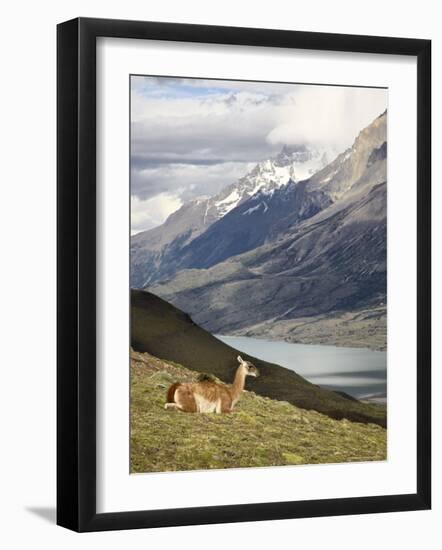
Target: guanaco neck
x,y
238,383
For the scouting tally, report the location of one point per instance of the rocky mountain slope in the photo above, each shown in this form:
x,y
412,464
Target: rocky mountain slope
x,y
158,253
299,267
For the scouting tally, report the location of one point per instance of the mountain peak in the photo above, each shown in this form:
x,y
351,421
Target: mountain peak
x,y
293,153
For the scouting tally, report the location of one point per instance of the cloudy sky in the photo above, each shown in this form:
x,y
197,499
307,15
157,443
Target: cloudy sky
x,y
192,137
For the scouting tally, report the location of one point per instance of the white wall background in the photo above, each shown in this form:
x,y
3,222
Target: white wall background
x,y
27,289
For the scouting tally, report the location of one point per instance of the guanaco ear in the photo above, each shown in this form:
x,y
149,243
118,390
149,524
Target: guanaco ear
x,y
240,360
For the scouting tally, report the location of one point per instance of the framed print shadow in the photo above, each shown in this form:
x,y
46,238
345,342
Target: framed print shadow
x,y
243,274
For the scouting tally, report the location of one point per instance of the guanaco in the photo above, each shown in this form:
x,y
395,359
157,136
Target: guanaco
x,y
208,396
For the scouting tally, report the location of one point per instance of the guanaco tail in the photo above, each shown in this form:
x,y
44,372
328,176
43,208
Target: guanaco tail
x,y
208,396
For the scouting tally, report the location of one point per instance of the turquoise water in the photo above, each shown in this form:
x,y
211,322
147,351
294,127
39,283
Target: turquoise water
x,y
361,373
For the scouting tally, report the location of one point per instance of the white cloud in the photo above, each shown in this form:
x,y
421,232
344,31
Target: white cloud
x,y
227,127
328,115
149,213
186,180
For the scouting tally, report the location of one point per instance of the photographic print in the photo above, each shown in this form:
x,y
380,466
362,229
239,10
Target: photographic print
x,y
258,274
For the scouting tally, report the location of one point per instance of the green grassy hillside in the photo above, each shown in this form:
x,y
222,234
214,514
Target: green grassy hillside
x,y
260,431
166,332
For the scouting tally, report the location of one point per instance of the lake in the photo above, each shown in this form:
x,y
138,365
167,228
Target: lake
x,y
361,373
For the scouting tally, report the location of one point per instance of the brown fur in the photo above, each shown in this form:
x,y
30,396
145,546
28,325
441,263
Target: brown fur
x,y
207,395
171,392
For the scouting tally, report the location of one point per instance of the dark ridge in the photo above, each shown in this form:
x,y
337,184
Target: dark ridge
x,y
377,154
346,395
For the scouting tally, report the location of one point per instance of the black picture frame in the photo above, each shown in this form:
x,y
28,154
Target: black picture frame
x,y
76,273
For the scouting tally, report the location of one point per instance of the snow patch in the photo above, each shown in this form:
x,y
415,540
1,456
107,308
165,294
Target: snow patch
x,y
229,203
251,210
234,196
255,208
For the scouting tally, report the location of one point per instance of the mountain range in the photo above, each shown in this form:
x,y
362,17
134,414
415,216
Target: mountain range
x,y
294,250
157,253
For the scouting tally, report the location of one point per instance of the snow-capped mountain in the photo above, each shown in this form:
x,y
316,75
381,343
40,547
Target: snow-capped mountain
x,y
152,250
293,163
266,203
255,221
312,249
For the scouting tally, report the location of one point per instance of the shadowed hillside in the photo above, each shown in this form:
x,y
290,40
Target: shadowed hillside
x,y
167,333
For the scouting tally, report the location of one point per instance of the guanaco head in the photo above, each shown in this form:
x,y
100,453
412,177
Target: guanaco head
x,y
249,368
